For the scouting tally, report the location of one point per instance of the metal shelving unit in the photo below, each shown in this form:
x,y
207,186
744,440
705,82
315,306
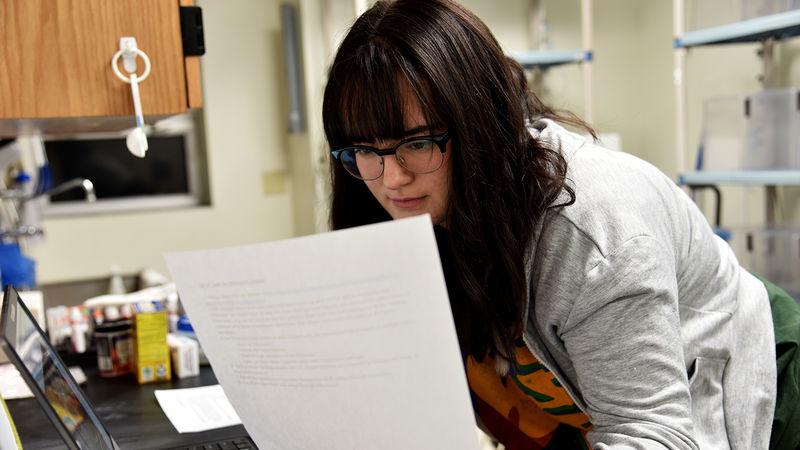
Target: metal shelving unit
x,y
546,59
742,178
777,26
766,30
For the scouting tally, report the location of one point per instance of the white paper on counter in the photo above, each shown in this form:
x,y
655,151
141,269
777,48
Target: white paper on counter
x,y
9,440
340,340
197,409
13,386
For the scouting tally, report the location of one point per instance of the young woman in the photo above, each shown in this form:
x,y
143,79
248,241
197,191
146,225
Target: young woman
x,y
594,305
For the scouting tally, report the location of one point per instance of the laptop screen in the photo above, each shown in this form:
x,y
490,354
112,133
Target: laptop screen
x,y
48,377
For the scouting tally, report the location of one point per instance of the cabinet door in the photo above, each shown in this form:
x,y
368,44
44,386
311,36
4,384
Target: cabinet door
x,y
55,58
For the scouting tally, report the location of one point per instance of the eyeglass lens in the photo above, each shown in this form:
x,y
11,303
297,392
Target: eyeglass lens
x,y
418,156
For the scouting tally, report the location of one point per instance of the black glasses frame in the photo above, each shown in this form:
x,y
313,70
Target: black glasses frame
x,y
439,139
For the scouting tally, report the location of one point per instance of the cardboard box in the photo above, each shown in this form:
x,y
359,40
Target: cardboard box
x,y
185,355
151,353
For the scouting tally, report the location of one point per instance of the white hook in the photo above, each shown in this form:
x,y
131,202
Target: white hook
x,y
128,50
128,47
136,140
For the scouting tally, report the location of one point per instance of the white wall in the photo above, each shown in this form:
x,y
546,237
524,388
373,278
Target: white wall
x,y
245,124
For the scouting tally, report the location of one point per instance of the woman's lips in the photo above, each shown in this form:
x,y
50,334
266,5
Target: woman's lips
x,y
407,202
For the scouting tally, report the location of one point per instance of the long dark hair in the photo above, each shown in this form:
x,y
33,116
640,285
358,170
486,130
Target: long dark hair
x,y
502,180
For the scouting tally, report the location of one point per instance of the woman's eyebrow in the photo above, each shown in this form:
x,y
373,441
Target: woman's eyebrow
x,y
409,132
416,130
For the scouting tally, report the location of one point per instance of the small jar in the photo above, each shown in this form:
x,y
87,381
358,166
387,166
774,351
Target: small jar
x,y
114,348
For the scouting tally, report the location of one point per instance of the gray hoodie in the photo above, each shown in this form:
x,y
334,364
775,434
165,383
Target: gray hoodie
x,y
643,314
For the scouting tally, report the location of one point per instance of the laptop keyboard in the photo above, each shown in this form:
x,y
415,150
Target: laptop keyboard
x,y
242,443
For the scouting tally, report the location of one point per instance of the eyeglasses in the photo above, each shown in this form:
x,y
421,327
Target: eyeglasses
x,y
418,154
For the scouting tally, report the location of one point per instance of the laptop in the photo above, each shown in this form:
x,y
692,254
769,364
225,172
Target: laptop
x,y
58,394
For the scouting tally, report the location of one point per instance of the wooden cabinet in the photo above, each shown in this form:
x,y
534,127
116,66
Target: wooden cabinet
x,y
55,59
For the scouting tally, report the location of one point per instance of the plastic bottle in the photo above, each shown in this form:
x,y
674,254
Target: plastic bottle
x,y
79,327
184,328
116,285
111,313
151,278
126,311
97,315
172,311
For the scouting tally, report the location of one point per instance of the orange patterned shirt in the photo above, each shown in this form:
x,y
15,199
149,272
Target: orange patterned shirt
x,y
527,409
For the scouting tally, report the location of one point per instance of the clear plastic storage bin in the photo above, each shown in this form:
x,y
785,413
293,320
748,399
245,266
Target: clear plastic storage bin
x,y
712,13
760,8
757,132
773,130
772,253
723,137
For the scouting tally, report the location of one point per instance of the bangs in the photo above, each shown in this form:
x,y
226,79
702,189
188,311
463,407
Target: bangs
x,y
366,98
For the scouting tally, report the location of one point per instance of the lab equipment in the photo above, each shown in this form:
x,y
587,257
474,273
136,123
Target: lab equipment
x,y
21,204
28,217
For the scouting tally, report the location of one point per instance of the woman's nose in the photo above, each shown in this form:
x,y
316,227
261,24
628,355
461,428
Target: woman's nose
x,y
394,174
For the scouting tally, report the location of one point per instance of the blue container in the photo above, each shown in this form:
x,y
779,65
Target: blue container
x,y
16,269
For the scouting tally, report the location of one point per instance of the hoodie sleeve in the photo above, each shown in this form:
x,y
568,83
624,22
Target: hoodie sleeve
x,y
623,336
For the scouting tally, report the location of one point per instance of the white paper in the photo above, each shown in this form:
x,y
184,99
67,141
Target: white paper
x,y
342,340
8,433
197,409
34,301
13,386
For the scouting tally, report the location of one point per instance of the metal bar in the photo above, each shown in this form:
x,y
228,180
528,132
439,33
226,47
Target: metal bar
x,y
782,25
549,58
742,178
678,79
587,42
